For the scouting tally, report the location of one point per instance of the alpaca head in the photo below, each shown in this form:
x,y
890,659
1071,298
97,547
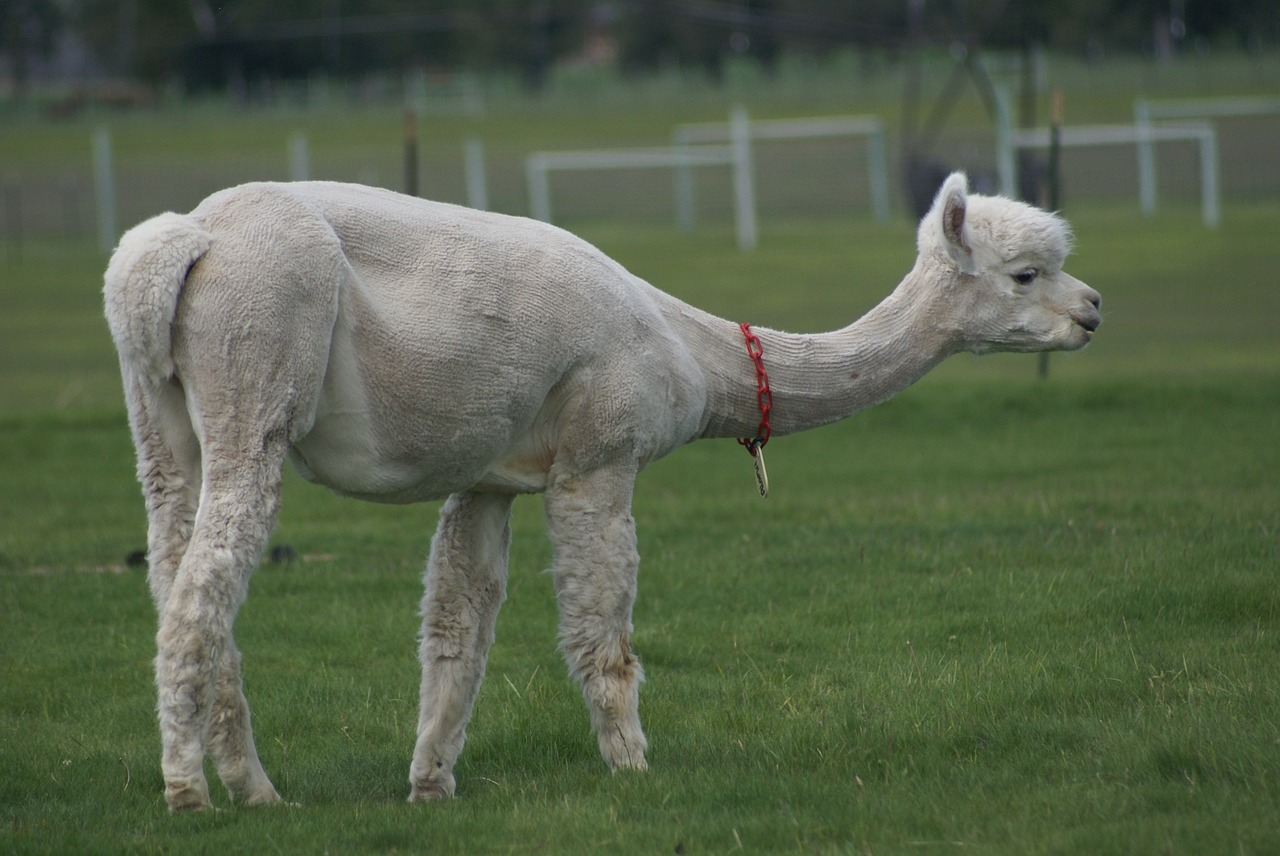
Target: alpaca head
x,y
999,262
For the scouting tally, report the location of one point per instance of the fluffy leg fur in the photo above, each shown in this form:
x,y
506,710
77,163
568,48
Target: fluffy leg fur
x,y
595,565
197,671
466,582
169,471
230,737
196,652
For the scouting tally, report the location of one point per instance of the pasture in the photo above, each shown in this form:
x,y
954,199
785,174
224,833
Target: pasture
x,y
995,615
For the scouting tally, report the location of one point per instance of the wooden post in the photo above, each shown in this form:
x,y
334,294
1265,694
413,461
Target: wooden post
x,y
1053,183
410,151
1055,152
13,220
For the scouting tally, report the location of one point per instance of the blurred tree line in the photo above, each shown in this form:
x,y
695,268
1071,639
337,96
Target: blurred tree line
x,y
207,44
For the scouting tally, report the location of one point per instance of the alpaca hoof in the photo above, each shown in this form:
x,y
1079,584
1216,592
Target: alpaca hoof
x,y
431,792
268,797
431,781
637,764
621,753
185,798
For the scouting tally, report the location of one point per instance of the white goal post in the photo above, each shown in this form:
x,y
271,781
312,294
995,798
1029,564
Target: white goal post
x,y
1134,135
737,155
1146,112
870,127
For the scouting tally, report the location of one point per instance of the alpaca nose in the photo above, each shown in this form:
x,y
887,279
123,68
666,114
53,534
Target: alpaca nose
x,y
1090,318
1094,318
1087,315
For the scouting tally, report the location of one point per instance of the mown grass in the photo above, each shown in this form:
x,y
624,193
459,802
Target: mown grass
x,y
993,615
961,619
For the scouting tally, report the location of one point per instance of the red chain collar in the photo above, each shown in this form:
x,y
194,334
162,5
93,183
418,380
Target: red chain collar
x,y
764,396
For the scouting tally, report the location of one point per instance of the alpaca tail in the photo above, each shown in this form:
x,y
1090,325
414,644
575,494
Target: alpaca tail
x,y
142,284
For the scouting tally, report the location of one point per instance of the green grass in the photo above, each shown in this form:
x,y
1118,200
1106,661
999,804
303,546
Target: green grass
x,y
994,615
1017,637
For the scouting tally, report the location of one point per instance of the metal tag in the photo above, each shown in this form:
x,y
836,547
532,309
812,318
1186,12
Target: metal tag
x,y
762,476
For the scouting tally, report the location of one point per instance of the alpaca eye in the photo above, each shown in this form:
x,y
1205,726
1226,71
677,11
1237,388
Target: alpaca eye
x,y
1025,277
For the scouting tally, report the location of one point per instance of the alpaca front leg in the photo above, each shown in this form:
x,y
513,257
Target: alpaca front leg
x,y
595,567
230,738
465,585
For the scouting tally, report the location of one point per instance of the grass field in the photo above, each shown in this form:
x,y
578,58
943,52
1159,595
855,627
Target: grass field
x,y
995,615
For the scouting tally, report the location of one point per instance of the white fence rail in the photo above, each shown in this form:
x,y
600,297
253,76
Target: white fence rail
x,y
1138,136
1146,112
870,127
737,155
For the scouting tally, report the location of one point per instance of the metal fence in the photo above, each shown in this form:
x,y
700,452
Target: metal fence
x,y
811,178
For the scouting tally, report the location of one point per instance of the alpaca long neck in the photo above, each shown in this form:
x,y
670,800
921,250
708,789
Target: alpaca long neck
x,y
821,378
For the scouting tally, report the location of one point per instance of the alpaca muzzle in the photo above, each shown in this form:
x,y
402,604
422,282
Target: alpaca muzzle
x,y
1088,314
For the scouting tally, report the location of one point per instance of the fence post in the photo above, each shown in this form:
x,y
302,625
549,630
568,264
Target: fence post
x,y
1209,176
104,186
878,168
743,191
535,170
1146,158
1054,188
299,158
13,219
410,151
477,183
1006,162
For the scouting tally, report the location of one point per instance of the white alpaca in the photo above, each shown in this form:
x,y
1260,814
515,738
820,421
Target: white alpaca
x,y
402,350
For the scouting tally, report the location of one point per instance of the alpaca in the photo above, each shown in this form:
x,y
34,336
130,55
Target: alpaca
x,y
399,350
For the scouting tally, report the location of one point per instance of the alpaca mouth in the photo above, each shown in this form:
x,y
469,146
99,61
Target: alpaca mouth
x,y
1089,322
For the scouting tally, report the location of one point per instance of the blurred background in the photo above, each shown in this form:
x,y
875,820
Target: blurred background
x,y
1085,556
113,110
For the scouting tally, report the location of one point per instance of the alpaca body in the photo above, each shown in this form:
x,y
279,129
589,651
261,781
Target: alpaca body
x,y
399,350
421,319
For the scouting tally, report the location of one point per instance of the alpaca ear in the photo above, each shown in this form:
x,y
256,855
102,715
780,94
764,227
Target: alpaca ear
x,y
949,206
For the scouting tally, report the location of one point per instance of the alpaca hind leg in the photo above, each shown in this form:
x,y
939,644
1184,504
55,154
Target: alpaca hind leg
x,y
172,491
169,472
595,565
230,737
465,585
237,508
